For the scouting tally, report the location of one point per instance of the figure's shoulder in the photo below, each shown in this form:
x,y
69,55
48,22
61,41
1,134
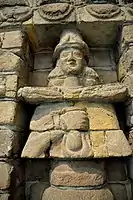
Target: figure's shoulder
x,y
90,72
56,72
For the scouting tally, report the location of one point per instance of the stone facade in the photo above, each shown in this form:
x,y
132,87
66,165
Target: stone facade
x,y
66,100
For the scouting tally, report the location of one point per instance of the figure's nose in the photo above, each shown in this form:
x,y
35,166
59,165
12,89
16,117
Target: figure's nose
x,y
70,56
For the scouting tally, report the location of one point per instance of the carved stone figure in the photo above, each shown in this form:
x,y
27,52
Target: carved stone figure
x,y
75,129
71,68
77,124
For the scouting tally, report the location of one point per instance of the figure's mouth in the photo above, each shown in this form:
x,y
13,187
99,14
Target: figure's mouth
x,y
71,62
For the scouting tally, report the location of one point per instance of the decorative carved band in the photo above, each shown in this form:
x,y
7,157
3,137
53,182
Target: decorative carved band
x,y
103,11
55,11
15,14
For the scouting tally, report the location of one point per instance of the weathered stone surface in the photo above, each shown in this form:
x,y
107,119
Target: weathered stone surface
x,y
109,143
117,143
127,35
54,194
128,81
111,92
75,120
125,63
39,142
11,85
4,196
9,61
9,143
43,124
116,170
39,94
12,2
7,112
101,116
5,174
36,145
78,173
98,144
13,39
105,93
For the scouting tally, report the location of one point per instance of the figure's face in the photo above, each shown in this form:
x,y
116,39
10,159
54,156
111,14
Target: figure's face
x,y
71,61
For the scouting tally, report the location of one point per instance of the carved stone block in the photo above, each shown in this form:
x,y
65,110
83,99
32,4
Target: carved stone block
x,y
127,35
77,174
117,143
10,61
54,194
12,140
101,116
5,174
98,144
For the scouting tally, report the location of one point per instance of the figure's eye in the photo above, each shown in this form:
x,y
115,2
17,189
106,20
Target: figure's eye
x,y
64,54
77,54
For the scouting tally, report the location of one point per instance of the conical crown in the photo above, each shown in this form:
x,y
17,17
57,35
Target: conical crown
x,y
71,39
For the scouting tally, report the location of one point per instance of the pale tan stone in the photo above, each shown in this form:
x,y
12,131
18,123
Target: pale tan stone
x,y
77,149
8,143
112,92
101,116
39,94
125,63
5,175
117,144
8,112
11,85
36,145
10,61
75,120
42,124
12,39
54,194
78,173
98,144
109,92
39,142
74,141
127,33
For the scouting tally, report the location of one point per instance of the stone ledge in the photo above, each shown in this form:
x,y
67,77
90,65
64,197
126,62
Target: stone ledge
x,y
106,93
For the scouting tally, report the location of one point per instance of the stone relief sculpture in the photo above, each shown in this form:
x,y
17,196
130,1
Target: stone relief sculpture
x,y
74,128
